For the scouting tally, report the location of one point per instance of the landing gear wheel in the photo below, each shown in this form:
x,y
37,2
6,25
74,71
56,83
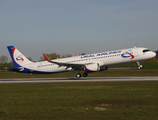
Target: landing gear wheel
x,y
85,74
139,66
78,75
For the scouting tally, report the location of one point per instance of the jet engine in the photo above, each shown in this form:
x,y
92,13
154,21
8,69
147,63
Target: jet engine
x,y
95,67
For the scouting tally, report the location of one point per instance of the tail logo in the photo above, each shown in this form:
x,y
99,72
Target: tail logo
x,y
20,58
128,54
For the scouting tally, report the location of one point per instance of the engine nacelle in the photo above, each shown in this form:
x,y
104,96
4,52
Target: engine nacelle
x,y
103,68
95,68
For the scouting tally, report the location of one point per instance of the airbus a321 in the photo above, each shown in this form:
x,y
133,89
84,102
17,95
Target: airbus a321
x,y
88,63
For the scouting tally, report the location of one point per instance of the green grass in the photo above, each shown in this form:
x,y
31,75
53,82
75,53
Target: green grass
x,y
79,101
146,65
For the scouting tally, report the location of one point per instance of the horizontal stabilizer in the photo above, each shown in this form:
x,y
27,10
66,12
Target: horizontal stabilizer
x,y
15,68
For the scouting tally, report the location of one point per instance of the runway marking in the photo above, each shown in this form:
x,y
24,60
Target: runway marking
x,y
88,79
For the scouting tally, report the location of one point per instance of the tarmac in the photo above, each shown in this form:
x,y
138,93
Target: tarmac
x,y
83,79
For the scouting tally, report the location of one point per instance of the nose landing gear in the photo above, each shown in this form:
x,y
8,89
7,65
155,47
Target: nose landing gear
x,y
139,66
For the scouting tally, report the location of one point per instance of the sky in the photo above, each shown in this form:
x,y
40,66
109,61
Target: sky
x,y
77,26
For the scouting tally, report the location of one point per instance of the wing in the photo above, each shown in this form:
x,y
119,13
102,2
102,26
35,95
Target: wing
x,y
66,63
69,64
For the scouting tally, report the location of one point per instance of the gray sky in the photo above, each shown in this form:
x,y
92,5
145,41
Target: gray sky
x,y
69,26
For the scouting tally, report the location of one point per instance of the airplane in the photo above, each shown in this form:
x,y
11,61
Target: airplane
x,y
88,63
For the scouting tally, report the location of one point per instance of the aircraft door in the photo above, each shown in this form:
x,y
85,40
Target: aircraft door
x,y
135,52
32,67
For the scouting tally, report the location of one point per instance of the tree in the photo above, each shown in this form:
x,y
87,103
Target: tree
x,y
11,63
42,58
83,53
29,58
3,59
66,55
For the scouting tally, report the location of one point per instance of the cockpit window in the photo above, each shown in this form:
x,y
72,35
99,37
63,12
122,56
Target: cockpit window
x,y
146,50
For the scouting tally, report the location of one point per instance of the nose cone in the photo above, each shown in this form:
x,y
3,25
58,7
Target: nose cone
x,y
154,54
149,55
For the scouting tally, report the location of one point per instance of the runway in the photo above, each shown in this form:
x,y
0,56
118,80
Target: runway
x,y
88,79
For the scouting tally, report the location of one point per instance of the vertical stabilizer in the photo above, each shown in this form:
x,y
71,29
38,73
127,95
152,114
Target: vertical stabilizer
x,y
19,60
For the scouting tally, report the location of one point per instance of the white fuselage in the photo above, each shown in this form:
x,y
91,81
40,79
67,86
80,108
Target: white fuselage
x,y
103,59
88,63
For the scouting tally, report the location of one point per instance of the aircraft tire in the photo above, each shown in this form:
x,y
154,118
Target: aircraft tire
x,y
85,74
78,75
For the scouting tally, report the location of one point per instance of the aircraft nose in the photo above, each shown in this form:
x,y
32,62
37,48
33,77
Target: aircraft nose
x,y
153,54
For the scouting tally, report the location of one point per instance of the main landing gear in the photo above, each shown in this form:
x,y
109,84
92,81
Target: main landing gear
x,y
78,75
84,75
